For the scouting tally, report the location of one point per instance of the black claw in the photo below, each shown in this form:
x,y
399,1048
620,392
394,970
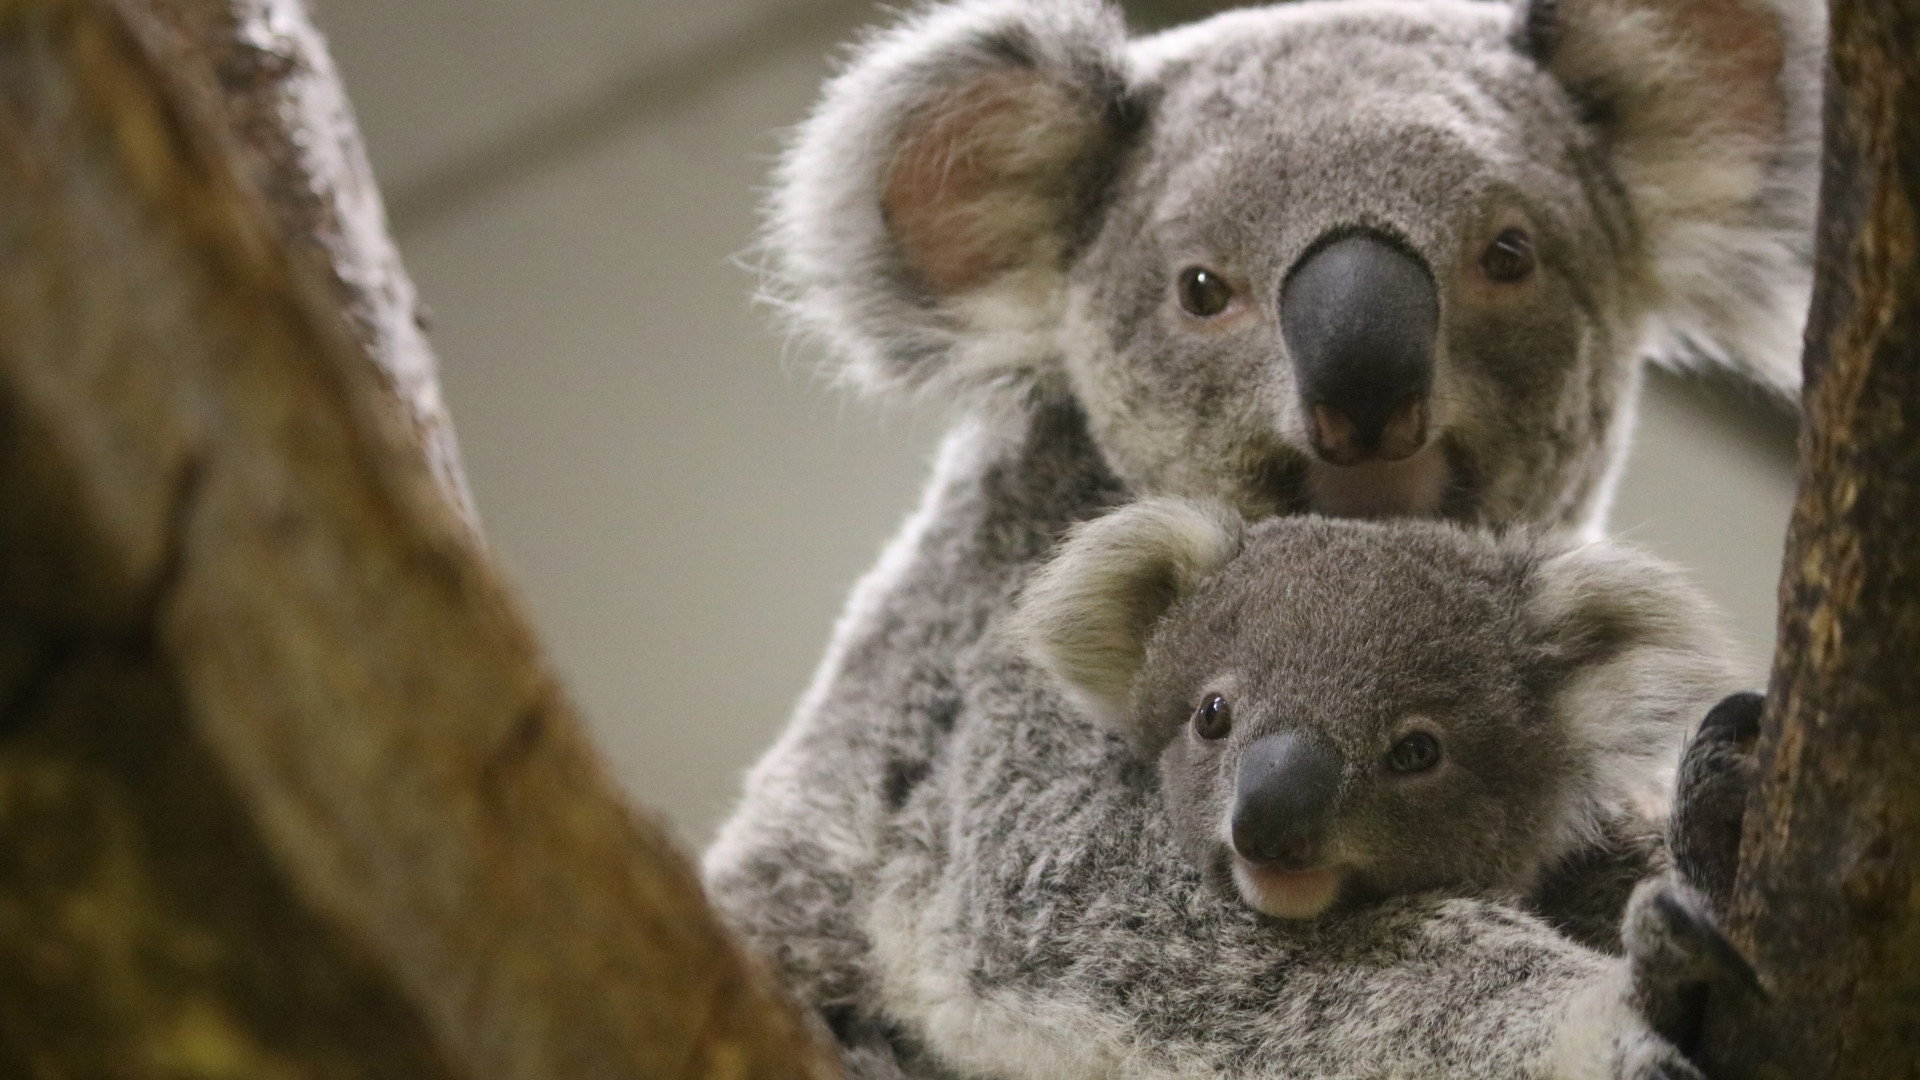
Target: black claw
x,y
1705,941
1735,966
1736,717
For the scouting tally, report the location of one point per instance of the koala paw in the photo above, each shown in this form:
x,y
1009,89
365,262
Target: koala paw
x,y
1676,955
1606,1036
1643,1021
1710,797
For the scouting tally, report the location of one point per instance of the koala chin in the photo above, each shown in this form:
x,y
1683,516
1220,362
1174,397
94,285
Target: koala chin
x,y
1342,711
1415,486
1287,894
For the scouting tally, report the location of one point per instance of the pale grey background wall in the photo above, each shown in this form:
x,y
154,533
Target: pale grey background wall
x,y
683,502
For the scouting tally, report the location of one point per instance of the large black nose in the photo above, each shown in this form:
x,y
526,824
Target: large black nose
x,y
1359,316
1283,801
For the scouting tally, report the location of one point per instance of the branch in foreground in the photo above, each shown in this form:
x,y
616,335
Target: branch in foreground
x,y
286,788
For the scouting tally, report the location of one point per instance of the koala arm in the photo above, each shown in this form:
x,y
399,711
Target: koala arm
x,y
1584,895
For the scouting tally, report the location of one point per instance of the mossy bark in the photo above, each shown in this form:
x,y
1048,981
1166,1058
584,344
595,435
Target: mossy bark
x,y
286,786
1828,898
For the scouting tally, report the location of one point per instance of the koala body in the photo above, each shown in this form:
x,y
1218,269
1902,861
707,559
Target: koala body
x,y
1343,711
1361,257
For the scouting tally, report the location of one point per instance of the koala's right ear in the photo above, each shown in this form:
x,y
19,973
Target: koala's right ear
x,y
1708,113
1637,656
1086,615
922,215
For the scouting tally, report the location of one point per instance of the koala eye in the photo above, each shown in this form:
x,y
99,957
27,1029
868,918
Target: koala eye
x,y
1509,258
1213,719
1417,752
1204,293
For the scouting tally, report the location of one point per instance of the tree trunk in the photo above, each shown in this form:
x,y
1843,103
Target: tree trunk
x,y
286,787
1828,897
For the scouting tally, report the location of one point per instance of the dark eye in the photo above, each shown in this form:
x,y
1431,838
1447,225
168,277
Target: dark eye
x,y
1417,752
1212,720
1203,293
1509,258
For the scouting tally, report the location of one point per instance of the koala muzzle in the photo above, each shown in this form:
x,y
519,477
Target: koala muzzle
x,y
1283,801
1360,317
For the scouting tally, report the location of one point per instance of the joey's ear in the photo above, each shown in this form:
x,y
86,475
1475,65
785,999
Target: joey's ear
x,y
1709,112
1634,656
1086,615
921,216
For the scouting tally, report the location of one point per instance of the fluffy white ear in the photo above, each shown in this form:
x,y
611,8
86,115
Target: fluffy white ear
x,y
921,215
1709,113
1637,656
1086,615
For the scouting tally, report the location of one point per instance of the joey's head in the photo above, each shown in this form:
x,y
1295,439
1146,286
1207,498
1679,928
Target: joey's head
x,y
1344,710
1360,257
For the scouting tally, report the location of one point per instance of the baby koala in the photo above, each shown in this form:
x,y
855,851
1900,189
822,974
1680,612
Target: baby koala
x,y
1345,710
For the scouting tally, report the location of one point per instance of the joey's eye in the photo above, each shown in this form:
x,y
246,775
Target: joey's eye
x,y
1203,293
1509,258
1213,719
1417,752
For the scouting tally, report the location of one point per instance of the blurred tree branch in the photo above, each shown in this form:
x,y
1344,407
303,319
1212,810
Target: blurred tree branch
x,y
286,787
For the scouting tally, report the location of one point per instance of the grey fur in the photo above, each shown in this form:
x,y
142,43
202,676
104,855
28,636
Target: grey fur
x,y
962,881
1558,679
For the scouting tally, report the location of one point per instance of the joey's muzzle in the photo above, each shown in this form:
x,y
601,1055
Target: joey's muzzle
x,y
1360,316
1283,801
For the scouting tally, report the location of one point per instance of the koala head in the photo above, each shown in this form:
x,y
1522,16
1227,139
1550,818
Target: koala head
x,y
1360,257
1343,710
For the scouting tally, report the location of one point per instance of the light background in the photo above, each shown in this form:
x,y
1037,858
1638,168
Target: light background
x,y
683,502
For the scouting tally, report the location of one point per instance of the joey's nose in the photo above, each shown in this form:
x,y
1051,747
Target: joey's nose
x,y
1360,316
1283,801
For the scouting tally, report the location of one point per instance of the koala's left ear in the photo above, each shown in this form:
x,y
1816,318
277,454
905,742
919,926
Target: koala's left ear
x,y
1635,656
923,214
1709,112
1087,614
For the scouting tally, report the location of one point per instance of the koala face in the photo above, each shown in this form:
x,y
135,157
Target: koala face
x,y
1346,719
1355,262
1358,257
1342,711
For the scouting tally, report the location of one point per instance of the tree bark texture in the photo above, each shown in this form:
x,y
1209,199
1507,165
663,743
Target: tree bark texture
x,y
286,787
1828,897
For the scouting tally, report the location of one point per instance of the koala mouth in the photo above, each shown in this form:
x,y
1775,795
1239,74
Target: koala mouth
x,y
1287,894
1414,486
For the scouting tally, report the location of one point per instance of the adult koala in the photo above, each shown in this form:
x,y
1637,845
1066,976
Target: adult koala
x,y
1354,256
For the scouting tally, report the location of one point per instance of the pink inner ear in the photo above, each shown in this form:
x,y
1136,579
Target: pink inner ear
x,y
1741,39
978,176
1689,69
